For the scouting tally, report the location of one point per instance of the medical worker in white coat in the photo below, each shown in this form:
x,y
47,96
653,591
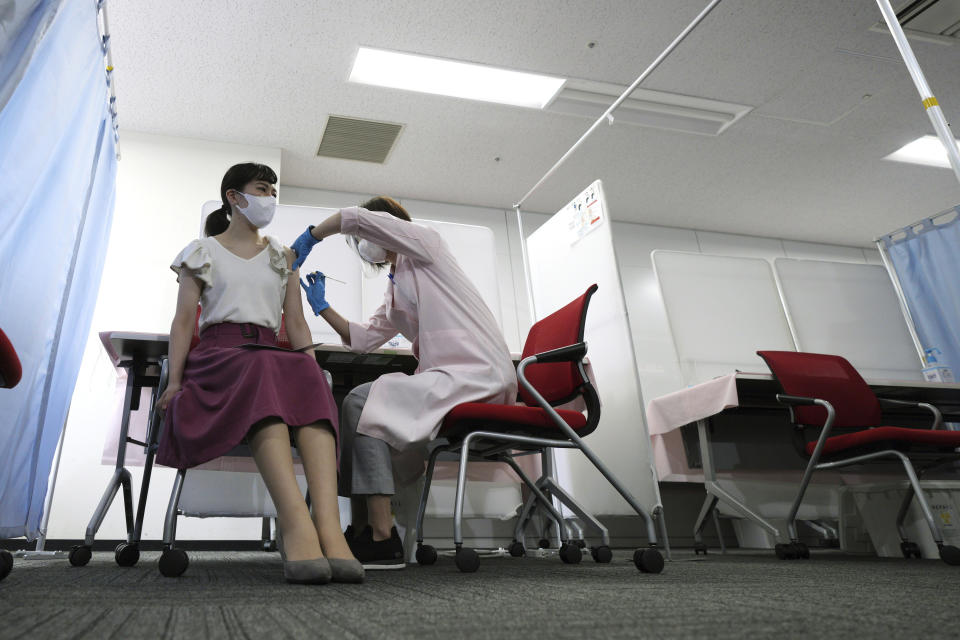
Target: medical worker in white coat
x,y
462,355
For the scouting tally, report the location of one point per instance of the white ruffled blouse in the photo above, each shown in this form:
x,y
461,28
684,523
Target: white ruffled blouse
x,y
235,289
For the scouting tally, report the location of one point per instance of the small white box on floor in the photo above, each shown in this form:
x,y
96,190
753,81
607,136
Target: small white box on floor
x,y
878,505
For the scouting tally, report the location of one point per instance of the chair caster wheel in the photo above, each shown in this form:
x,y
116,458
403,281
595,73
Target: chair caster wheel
x,y
950,554
648,560
910,549
126,554
698,548
6,563
543,543
516,549
801,550
467,560
80,555
426,554
570,553
173,562
581,543
785,551
601,554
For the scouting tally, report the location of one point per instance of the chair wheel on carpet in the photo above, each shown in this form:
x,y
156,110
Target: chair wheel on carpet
x,y
517,549
802,550
570,553
426,554
648,560
6,563
790,551
126,554
950,554
601,554
468,561
173,562
698,548
910,550
80,555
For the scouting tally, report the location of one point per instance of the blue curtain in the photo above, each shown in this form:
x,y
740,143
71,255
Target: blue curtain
x,y
58,168
926,257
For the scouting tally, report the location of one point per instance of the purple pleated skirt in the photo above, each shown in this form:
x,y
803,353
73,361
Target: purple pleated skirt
x,y
227,388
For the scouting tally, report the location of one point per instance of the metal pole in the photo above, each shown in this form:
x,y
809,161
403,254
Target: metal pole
x,y
39,551
624,96
930,103
526,268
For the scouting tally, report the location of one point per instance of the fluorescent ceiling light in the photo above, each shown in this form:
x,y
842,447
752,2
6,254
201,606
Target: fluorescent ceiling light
x,y
927,150
452,78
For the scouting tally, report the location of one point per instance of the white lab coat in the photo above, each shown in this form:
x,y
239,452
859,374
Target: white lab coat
x,y
462,354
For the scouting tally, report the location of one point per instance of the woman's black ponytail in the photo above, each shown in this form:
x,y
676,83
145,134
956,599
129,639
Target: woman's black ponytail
x,y
217,221
237,177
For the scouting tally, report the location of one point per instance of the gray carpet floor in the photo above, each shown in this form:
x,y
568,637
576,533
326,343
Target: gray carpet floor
x,y
241,595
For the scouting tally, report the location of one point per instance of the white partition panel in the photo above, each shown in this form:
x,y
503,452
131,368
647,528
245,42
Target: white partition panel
x,y
568,253
332,256
849,310
721,311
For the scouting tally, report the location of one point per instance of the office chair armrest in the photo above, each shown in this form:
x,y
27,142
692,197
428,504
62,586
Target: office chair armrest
x,y
827,425
795,401
571,353
890,403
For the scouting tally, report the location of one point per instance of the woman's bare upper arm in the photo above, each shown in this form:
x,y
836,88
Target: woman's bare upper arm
x,y
188,297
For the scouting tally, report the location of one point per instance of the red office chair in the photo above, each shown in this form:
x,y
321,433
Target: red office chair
x,y
10,369
825,393
10,372
550,374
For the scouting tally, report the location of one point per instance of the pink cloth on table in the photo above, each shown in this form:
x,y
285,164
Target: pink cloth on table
x,y
672,411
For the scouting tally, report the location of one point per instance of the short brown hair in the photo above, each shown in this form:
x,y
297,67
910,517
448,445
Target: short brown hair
x,y
387,205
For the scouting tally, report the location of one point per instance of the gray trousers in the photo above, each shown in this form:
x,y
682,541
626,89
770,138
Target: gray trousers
x,y
366,467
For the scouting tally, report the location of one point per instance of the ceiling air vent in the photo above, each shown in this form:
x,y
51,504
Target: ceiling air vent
x,y
357,139
929,20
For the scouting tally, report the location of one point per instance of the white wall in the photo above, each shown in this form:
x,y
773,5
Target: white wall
x,y
161,184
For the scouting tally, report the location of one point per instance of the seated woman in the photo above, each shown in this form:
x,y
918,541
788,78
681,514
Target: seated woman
x,y
222,393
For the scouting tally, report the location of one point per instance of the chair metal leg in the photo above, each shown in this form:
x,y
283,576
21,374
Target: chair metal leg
x,y
541,497
519,533
554,489
425,492
170,522
921,500
902,512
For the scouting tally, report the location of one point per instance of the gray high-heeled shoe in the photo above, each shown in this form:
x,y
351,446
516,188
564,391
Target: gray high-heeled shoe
x,y
313,571
346,570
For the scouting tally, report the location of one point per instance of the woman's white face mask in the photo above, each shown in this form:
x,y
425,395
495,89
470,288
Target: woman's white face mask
x,y
259,210
372,253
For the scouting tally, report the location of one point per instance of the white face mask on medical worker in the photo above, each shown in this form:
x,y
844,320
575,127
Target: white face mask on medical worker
x,y
372,253
259,210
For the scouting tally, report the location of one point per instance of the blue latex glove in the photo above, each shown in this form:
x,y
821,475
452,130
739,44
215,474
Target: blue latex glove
x,y
316,291
302,246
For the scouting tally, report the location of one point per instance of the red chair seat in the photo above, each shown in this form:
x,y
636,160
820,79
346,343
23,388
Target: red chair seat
x,y
502,417
944,439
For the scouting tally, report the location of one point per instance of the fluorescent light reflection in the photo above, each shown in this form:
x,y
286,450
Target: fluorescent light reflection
x,y
451,78
927,150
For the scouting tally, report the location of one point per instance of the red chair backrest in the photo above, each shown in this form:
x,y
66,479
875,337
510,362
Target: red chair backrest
x,y
830,378
10,369
282,339
557,382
